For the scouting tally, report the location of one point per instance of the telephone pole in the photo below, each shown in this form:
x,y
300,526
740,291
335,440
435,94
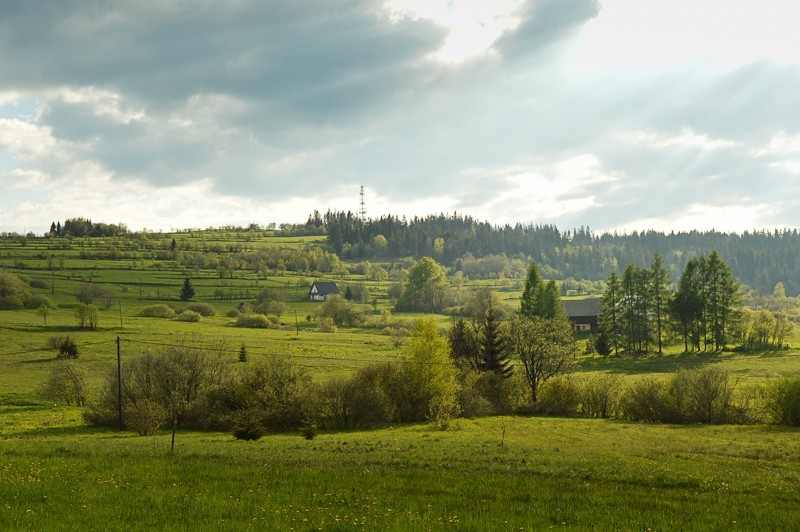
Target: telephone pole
x,y
362,211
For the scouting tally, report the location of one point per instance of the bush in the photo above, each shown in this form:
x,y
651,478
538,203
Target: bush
x,y
144,417
252,321
204,309
233,313
327,325
783,401
67,349
558,396
157,311
40,300
703,396
247,426
66,383
188,316
276,389
14,291
599,396
39,283
647,400
358,401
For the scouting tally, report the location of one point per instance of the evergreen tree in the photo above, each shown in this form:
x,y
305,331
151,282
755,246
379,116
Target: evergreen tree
x,y
721,298
635,319
533,286
187,292
548,302
464,346
686,307
494,352
610,319
659,297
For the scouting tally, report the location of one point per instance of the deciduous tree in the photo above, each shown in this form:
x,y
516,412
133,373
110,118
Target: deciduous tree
x,y
546,347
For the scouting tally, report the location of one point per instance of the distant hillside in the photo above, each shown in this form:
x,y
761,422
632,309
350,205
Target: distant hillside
x,y
759,259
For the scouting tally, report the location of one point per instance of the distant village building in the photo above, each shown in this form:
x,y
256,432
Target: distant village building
x,y
583,313
320,290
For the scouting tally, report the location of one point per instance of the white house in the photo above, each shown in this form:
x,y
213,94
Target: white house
x,y
320,290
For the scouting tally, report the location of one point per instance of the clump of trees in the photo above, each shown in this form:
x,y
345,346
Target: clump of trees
x,y
14,291
639,310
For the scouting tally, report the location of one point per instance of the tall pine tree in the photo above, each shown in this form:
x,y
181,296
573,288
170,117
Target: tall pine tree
x,y
659,297
533,287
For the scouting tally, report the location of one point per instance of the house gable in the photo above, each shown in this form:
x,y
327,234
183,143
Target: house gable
x,y
320,290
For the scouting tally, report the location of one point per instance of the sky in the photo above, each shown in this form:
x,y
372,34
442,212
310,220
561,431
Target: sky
x,y
617,115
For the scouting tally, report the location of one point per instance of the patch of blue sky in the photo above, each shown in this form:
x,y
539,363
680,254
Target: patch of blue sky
x,y
24,110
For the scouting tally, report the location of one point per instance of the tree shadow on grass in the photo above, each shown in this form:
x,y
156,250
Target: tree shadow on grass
x,y
52,432
651,363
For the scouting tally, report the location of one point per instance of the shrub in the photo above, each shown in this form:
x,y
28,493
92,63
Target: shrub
x,y
66,383
39,300
252,321
599,396
39,283
14,291
67,349
351,402
144,417
327,325
204,309
703,396
308,429
647,400
558,396
276,388
247,426
233,313
188,316
783,401
157,311
55,341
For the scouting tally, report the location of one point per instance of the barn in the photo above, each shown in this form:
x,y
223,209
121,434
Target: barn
x,y
583,313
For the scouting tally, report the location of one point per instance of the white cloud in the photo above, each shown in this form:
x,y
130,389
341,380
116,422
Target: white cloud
x,y
687,139
704,217
707,36
472,25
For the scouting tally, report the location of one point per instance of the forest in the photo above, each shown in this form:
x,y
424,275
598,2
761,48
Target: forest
x,y
759,259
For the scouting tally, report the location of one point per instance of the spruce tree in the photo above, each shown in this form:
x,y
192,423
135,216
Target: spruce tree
x,y
187,292
610,312
495,356
533,286
660,296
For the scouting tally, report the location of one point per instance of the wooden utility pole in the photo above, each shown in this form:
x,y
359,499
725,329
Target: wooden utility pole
x,y
119,380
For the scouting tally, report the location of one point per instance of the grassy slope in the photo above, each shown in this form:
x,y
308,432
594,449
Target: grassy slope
x,y
57,473
550,472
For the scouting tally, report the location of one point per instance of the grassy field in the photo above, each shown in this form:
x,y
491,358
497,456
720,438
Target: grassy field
x,y
489,474
502,473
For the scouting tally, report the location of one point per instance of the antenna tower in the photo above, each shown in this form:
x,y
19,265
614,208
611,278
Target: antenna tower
x,y
362,211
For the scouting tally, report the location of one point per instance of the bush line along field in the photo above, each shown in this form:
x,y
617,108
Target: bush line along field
x,y
488,473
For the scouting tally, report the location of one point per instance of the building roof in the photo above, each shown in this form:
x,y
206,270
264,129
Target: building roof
x,y
582,307
324,288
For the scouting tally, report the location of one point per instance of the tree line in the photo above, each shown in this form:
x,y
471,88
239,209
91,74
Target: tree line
x,y
760,259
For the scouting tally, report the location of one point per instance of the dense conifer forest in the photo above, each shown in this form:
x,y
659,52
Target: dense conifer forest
x,y
760,259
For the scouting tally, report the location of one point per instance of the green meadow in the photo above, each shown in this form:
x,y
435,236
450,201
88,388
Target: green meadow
x,y
497,473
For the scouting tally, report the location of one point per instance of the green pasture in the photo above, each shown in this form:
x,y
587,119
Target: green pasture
x,y
502,473
487,474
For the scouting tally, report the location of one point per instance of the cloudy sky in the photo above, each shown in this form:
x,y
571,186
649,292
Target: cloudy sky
x,y
612,114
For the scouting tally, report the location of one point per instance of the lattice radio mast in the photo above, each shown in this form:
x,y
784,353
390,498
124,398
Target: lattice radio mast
x,y
362,211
